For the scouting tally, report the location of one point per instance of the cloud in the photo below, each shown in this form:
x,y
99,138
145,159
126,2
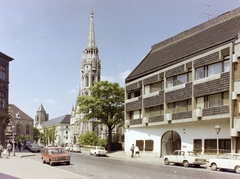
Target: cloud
x,y
50,101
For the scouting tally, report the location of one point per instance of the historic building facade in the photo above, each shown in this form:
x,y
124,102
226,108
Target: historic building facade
x,y
20,124
184,87
4,90
90,72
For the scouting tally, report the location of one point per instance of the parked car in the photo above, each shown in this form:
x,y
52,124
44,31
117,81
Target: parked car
x,y
55,155
229,161
76,148
68,147
184,157
97,150
33,148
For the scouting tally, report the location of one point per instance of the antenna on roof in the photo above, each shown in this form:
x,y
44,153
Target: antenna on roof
x,y
208,13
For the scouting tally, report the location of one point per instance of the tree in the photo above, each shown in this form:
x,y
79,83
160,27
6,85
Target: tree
x,y
89,138
36,134
105,104
51,134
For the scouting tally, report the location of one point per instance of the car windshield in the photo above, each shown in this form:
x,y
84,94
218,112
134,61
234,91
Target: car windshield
x,y
34,145
56,151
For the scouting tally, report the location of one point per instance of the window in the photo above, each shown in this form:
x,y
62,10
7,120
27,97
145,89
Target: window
x,y
210,145
135,114
140,144
215,100
27,130
3,75
179,79
154,111
200,73
148,145
197,145
214,69
18,129
153,87
2,100
137,93
180,106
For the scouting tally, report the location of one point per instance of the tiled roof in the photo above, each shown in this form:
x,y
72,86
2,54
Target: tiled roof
x,y
212,33
18,113
65,119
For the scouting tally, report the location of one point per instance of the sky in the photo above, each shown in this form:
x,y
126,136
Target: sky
x,y
46,39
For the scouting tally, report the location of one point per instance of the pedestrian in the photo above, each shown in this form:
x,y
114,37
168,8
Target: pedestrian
x,y
137,153
9,148
19,146
1,150
132,150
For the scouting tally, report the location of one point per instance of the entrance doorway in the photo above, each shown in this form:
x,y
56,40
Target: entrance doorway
x,y
170,141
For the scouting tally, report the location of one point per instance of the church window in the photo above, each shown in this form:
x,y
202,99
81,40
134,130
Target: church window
x,y
27,129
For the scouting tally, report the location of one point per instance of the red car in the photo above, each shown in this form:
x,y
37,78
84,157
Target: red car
x,y
55,155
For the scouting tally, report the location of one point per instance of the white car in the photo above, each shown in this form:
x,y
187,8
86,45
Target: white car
x,y
97,150
230,161
68,147
76,148
184,157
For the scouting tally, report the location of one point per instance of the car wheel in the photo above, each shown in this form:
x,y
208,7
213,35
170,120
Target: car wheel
x,y
166,161
197,166
90,153
51,163
185,163
67,163
237,169
214,166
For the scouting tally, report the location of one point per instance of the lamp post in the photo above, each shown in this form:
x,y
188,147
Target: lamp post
x,y
13,127
217,128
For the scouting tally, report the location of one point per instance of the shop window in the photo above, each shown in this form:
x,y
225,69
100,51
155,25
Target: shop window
x,y
197,145
140,144
148,145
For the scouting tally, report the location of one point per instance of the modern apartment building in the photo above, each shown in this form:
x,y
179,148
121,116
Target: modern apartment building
x,y
184,87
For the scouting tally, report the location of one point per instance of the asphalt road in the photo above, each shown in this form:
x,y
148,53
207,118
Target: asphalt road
x,y
93,167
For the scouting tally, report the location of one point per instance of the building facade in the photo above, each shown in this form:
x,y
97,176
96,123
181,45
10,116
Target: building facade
x,y
62,129
184,87
4,91
90,72
41,116
20,124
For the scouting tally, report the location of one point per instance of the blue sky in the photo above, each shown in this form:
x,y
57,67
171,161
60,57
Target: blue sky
x,y
46,39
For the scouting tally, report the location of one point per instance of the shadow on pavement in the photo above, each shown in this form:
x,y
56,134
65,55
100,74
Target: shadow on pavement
x,y
5,176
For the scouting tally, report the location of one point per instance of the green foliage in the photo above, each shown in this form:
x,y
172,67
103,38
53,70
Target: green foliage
x,y
106,105
48,135
89,138
36,134
22,138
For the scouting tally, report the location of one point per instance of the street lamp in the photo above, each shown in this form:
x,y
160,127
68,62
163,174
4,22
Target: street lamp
x,y
217,128
13,127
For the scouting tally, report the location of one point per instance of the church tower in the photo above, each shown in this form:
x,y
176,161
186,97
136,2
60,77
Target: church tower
x,y
90,72
90,64
41,116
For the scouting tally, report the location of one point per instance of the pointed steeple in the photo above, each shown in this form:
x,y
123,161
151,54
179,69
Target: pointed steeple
x,y
41,108
91,35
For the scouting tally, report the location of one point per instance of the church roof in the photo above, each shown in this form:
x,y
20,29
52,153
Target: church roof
x,y
65,119
18,113
218,31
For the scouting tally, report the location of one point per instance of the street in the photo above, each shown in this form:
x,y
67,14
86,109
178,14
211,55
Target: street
x,y
116,168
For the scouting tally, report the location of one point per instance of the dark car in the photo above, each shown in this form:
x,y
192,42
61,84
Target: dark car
x,y
55,155
33,148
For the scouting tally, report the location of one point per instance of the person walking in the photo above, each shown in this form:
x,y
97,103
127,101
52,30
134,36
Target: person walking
x,y
137,153
132,150
9,148
19,146
1,150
